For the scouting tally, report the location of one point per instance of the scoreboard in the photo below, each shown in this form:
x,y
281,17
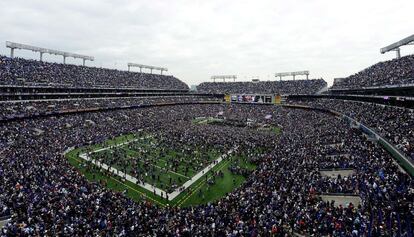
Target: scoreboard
x,y
253,98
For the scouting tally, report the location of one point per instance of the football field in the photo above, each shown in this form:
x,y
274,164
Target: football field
x,y
144,166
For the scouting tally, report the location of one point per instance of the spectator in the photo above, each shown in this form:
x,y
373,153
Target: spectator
x,y
263,87
393,72
46,196
18,71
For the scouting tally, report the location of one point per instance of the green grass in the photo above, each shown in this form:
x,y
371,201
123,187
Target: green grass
x,y
276,130
210,192
207,120
113,182
223,185
158,162
211,120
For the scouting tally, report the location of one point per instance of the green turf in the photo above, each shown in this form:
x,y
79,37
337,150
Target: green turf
x,y
113,182
207,120
222,186
162,173
276,130
209,192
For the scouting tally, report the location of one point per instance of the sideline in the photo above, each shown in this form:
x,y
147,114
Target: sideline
x,y
201,184
126,185
147,186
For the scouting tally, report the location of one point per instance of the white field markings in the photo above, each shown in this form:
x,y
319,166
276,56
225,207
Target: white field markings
x,y
4,222
173,172
164,168
148,186
193,179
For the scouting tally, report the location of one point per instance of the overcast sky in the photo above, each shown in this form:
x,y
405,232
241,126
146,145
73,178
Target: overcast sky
x,y
196,39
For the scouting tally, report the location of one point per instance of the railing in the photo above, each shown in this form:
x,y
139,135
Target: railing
x,y
399,157
405,162
95,109
376,87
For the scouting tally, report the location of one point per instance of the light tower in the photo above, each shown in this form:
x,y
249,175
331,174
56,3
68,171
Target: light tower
x,y
141,66
42,51
396,46
224,77
294,74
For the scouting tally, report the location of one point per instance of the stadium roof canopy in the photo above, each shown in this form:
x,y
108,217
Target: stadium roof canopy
x,y
396,46
41,50
141,66
224,77
284,74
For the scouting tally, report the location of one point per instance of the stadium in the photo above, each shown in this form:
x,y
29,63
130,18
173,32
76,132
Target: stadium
x,y
87,150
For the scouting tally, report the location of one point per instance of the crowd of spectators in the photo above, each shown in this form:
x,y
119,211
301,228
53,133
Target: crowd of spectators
x,y
263,87
45,196
19,71
141,159
26,108
396,124
389,73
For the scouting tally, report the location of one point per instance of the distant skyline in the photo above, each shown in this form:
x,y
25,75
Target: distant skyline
x,y
196,39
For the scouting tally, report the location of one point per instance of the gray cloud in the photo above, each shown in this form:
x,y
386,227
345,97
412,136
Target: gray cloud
x,y
196,39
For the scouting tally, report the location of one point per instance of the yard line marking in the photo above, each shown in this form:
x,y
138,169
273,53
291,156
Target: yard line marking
x,y
172,172
159,167
152,188
117,145
128,177
124,184
199,175
141,193
162,168
198,186
179,203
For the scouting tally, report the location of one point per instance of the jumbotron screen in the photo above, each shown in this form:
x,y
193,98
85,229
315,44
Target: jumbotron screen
x,y
251,98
